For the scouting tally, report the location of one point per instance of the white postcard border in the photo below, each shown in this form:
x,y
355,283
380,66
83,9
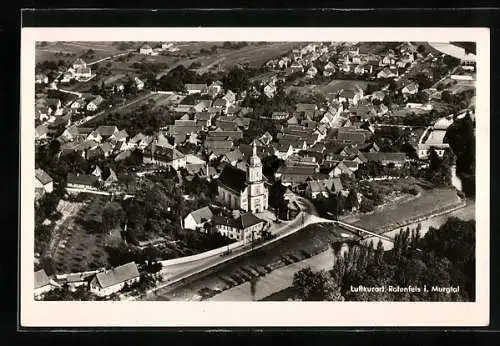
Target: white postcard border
x,y
221,314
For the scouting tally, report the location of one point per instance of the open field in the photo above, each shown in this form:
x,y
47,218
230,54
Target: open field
x,y
74,49
429,202
330,88
303,244
81,247
376,47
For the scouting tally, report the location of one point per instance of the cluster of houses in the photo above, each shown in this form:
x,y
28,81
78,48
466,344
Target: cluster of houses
x,y
346,59
102,282
165,47
317,144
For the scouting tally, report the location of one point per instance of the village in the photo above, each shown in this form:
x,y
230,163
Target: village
x,y
142,168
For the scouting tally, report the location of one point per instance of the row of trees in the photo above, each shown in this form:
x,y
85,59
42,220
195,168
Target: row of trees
x,y
444,257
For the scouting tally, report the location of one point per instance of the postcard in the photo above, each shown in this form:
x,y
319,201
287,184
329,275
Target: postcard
x,y
254,177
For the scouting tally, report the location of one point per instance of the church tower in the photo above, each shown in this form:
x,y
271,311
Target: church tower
x,y
257,191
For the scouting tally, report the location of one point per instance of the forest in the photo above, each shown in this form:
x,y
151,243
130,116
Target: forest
x,y
443,257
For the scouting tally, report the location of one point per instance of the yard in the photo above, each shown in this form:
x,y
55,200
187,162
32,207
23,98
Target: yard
x,y
330,88
80,245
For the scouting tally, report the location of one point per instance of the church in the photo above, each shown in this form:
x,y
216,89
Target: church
x,y
247,191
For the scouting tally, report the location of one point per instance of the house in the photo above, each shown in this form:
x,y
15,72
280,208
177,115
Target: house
x,y
230,97
53,103
410,89
348,135
360,69
306,107
82,182
364,111
340,168
295,175
316,188
329,69
111,281
107,131
283,151
42,283
146,50
387,73
107,149
41,79
77,104
41,132
195,88
421,106
139,84
67,77
311,72
120,136
386,158
380,109
82,73
43,180
296,66
244,227
164,156
195,220
270,90
279,115
204,119
79,63
232,157
95,103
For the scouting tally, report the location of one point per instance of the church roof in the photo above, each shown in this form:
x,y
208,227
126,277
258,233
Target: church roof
x,y
233,178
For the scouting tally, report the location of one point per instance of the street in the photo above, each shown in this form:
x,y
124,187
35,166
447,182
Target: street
x,y
177,272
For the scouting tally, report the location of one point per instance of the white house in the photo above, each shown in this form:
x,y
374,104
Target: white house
x,y
311,72
146,50
196,219
139,83
95,103
43,180
42,283
111,281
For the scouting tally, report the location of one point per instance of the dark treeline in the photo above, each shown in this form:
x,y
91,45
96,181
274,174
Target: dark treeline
x,y
444,257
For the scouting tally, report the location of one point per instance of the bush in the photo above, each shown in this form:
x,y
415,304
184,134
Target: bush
x,y
367,205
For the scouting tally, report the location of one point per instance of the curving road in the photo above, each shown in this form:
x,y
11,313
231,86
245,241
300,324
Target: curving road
x,y
178,272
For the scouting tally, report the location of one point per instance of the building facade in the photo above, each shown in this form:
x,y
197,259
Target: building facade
x,y
244,190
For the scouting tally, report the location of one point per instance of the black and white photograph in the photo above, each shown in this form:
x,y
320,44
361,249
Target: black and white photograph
x,y
256,168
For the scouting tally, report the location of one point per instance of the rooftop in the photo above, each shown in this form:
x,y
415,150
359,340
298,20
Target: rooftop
x,y
118,275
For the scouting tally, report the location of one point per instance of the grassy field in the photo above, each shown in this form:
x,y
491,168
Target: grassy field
x,y
52,50
332,87
376,47
429,202
337,85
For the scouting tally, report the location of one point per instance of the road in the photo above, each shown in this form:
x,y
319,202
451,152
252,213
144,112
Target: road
x,y
178,272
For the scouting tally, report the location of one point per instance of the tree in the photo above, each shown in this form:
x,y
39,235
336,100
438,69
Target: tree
x,y
236,80
421,49
113,216
319,286
451,61
351,201
367,205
